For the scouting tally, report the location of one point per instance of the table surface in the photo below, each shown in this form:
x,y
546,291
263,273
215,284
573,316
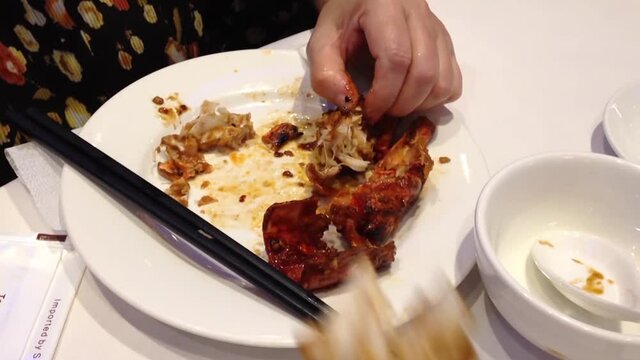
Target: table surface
x,y
537,76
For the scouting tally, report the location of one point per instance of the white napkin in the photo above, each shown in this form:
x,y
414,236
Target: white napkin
x,y
39,170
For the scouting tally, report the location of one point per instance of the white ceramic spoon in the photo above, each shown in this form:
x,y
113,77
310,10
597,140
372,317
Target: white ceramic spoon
x,y
592,272
621,123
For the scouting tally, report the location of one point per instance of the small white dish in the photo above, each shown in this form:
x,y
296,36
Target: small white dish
x,y
622,123
593,272
536,199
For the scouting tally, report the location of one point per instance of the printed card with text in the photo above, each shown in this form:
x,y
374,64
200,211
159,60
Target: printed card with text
x,y
38,282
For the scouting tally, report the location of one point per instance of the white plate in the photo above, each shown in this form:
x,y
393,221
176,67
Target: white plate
x,y
622,123
138,266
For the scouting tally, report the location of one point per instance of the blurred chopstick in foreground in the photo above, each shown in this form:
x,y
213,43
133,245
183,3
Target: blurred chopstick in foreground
x,y
179,219
365,328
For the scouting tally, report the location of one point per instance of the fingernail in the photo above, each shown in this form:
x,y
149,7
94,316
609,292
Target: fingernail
x,y
350,97
345,102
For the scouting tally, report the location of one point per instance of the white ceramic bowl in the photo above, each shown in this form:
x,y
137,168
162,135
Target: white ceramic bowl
x,y
529,200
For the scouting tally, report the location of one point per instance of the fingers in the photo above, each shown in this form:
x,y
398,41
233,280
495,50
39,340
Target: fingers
x,y
448,86
434,76
386,32
327,64
447,90
430,77
415,65
441,88
456,90
424,71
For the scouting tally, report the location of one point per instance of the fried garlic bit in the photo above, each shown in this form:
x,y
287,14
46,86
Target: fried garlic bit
x,y
365,329
216,127
183,154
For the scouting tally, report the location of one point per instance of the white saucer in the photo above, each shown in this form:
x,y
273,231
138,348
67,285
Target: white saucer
x,y
622,123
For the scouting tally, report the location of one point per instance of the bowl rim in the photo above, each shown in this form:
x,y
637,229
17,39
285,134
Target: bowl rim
x,y
607,122
484,246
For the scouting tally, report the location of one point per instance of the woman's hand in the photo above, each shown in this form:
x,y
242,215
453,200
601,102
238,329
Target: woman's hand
x,y
415,65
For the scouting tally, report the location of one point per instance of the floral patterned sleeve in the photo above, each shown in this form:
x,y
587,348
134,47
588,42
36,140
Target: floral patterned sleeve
x,y
68,57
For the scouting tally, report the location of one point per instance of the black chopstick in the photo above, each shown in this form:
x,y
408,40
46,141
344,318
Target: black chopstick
x,y
179,219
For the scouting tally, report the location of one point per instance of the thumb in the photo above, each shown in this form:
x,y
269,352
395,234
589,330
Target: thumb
x,y
329,77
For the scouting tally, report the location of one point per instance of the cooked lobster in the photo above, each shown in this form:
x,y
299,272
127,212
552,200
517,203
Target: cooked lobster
x,y
365,215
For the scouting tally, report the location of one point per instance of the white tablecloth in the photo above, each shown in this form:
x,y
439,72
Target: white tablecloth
x,y
536,77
